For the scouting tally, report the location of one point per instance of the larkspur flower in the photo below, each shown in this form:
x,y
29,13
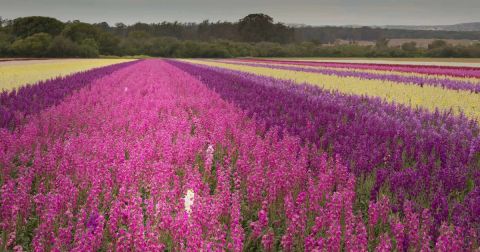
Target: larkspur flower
x,y
106,169
189,199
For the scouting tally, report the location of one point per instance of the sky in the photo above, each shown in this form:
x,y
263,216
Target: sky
x,y
310,12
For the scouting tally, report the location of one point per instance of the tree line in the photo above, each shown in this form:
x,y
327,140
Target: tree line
x,y
255,35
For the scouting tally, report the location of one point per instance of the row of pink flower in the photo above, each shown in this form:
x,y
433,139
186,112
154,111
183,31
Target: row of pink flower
x,y
113,167
18,104
468,72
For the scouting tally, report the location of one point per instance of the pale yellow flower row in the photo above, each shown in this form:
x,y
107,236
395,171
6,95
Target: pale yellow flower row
x,y
455,62
14,74
429,76
428,97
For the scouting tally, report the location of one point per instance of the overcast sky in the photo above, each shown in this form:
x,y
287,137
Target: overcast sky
x,y
312,12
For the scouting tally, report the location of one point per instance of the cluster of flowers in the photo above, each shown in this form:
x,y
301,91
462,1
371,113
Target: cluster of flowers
x,y
149,158
432,159
389,76
464,72
17,104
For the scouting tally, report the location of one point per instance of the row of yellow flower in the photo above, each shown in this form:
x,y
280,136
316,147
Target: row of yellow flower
x,y
14,74
473,80
428,97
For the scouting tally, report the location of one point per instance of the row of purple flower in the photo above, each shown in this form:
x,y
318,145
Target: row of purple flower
x,y
456,71
416,80
16,105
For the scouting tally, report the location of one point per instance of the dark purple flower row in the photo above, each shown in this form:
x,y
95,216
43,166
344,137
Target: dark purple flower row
x,y
431,158
17,104
417,80
457,71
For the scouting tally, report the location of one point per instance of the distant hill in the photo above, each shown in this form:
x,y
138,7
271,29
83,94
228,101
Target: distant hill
x,y
474,26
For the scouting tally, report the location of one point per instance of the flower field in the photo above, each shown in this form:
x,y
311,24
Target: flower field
x,y
242,155
14,74
431,97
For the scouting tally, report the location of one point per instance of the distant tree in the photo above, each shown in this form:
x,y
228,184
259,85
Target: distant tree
x,y
120,25
63,47
139,35
140,41
474,51
27,26
437,44
36,45
256,27
78,31
382,43
2,22
204,30
260,27
137,42
5,43
409,46
108,43
215,50
102,26
127,48
189,49
174,29
217,39
121,29
140,27
282,34
219,30
237,49
88,48
163,46
449,51
270,49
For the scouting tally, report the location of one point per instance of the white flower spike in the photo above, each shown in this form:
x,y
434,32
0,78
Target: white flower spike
x,y
189,198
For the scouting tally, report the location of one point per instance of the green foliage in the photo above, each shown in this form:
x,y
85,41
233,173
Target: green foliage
x,y
108,43
196,49
256,35
88,48
63,47
437,44
269,49
328,34
163,46
256,27
78,31
5,43
260,27
363,189
409,46
382,43
35,45
27,26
